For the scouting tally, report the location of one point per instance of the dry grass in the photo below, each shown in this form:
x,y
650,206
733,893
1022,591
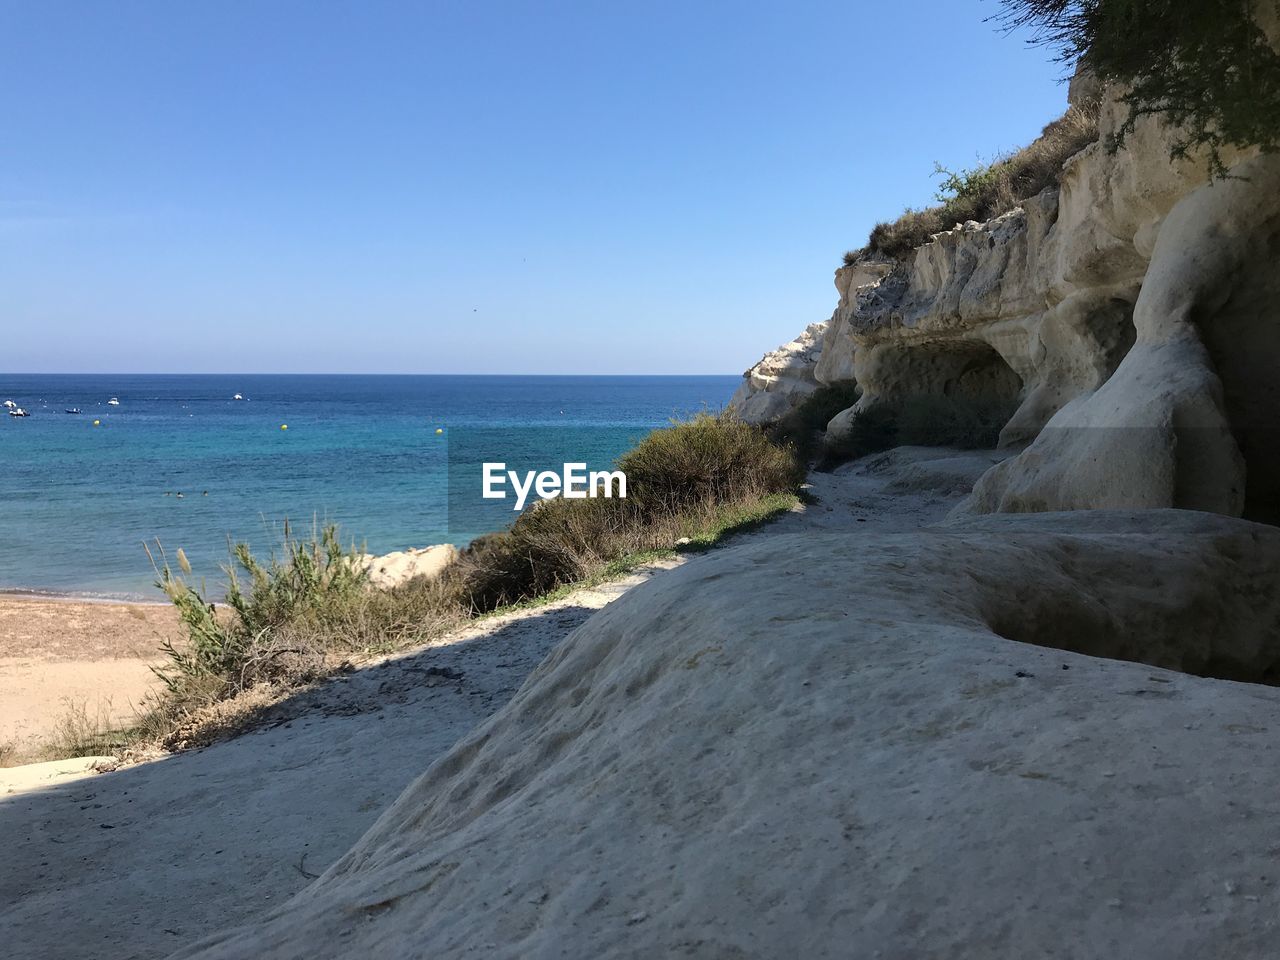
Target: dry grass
x,y
987,191
79,731
560,543
82,731
168,725
682,481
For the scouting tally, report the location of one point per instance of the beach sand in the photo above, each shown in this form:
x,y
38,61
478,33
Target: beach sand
x,y
59,655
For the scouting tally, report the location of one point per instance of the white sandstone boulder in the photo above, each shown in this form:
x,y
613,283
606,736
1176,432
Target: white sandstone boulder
x,y
781,379
393,569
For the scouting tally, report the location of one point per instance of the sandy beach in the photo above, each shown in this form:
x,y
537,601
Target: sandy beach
x,y
57,655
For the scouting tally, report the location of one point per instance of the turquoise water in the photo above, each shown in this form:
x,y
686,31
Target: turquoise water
x,y
78,502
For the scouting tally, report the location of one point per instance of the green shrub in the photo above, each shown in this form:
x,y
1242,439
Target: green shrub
x,y
283,617
707,474
802,427
987,190
706,460
966,185
1205,66
552,543
81,732
214,646
313,578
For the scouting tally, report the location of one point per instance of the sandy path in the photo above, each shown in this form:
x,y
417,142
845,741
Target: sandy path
x,y
136,863
56,654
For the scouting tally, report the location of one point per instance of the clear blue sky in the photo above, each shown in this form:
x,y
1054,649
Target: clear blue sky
x,y
471,187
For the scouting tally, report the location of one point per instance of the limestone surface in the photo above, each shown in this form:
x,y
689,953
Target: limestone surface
x,y
1125,322
963,741
393,569
1162,431
781,379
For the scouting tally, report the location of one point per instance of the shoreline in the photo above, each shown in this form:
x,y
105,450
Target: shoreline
x,y
72,596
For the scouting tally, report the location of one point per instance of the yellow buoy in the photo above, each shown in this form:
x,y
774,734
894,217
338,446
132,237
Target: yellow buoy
x,y
439,430
97,423
284,426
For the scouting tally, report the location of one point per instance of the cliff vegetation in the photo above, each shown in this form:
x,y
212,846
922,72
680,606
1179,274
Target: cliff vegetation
x,y
305,611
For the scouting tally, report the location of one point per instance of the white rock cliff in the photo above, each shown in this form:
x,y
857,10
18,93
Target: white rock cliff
x,y
1130,318
781,379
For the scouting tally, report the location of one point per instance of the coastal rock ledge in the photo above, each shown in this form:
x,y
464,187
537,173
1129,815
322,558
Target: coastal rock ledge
x,y
781,379
1129,319
821,745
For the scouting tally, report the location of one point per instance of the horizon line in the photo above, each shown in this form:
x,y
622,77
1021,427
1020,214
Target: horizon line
x,y
323,373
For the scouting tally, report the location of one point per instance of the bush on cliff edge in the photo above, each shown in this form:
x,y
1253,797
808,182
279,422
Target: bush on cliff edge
x,y
696,479
1203,66
299,614
989,190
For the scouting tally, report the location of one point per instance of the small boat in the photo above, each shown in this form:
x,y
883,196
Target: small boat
x,y
73,410
237,397
16,411
10,404
113,402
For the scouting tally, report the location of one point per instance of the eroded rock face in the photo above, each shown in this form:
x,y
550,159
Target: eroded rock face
x,y
989,300
781,379
1043,293
1129,318
785,376
795,746
1162,431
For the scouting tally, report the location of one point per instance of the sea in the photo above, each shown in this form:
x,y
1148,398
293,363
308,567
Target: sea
x,y
179,462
